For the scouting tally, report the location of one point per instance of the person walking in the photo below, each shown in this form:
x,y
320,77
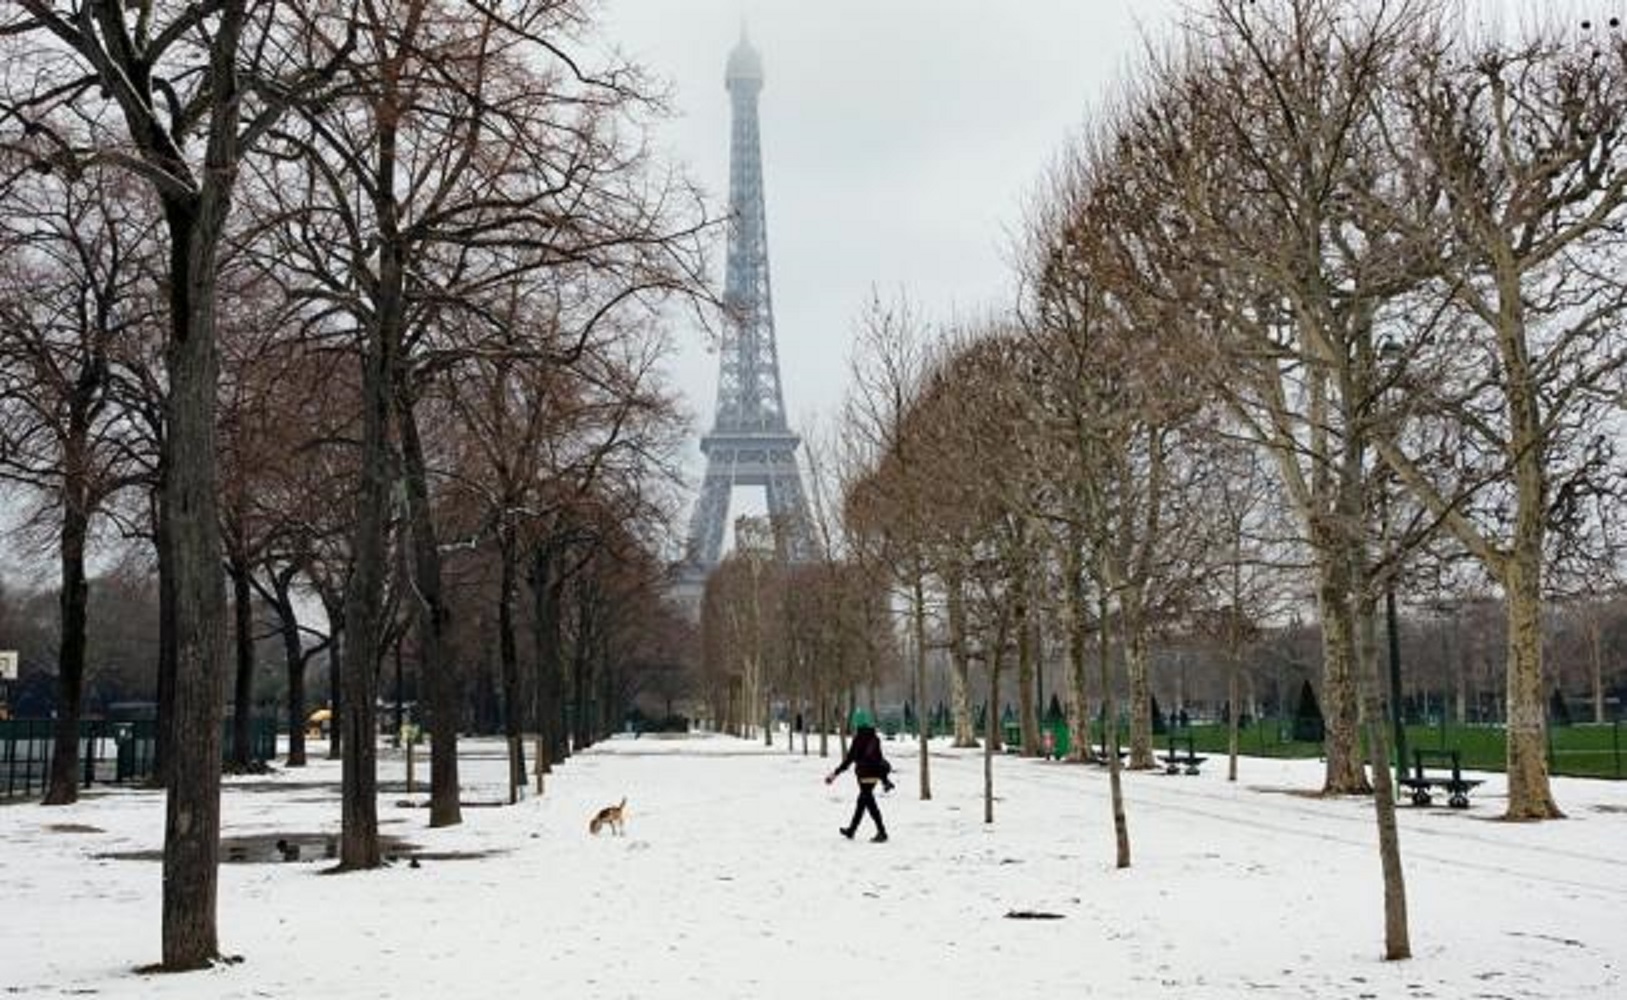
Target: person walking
x,y
871,768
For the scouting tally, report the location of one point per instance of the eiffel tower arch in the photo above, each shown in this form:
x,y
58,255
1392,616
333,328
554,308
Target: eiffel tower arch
x,y
750,443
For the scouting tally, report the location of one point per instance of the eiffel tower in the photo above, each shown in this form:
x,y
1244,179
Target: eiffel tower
x,y
750,443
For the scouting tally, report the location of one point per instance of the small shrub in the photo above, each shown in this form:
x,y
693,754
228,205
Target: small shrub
x,y
1308,724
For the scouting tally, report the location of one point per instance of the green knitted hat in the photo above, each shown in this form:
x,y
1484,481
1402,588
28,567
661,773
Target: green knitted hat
x,y
860,718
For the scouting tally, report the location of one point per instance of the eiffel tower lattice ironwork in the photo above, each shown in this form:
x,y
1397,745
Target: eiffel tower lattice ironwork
x,y
750,443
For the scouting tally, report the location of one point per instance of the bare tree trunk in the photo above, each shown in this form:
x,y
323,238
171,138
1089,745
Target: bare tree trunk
x,y
1529,796
546,598
545,648
1110,739
1520,569
509,661
1234,693
358,633
1344,773
580,738
1234,651
352,730
243,642
1136,664
1397,943
991,732
164,744
960,684
1027,714
767,702
1078,696
294,657
192,812
919,611
1135,620
337,679
610,709
63,788
434,622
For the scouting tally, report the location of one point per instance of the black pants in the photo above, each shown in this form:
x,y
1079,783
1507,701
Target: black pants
x,y
867,803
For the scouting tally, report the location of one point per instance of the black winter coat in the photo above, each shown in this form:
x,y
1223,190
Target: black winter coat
x,y
864,755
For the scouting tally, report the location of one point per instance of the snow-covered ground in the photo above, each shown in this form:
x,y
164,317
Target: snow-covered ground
x,y
732,882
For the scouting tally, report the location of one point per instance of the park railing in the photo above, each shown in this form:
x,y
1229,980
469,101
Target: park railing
x,y
110,752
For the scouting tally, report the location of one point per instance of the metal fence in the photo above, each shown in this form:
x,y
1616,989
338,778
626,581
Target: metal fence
x,y
109,752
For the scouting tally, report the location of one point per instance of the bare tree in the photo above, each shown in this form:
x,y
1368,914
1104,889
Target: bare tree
x,y
1246,566
887,374
175,99
1521,149
1225,216
486,156
547,421
835,594
75,303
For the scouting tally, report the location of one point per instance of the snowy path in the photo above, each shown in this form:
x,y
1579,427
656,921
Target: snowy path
x,y
732,882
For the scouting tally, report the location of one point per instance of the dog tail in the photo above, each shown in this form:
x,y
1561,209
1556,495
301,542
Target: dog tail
x,y
623,804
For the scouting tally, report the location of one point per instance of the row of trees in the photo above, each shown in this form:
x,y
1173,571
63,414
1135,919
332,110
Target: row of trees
x,y
358,302
798,637
1452,662
1325,300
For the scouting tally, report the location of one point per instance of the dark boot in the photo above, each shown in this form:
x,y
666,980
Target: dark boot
x,y
879,838
846,831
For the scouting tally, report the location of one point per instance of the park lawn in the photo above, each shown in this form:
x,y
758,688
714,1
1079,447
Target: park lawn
x,y
1265,738
1579,751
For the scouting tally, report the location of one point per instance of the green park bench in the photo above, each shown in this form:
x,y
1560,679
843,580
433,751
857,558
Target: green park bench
x,y
1420,781
1176,762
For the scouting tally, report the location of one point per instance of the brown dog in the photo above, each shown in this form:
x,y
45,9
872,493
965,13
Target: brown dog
x,y
613,816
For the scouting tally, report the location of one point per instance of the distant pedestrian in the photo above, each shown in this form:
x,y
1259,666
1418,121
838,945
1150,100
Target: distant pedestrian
x,y
871,768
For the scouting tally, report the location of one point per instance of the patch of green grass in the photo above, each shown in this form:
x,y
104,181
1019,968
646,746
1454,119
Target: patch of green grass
x,y
1580,751
1264,738
1584,751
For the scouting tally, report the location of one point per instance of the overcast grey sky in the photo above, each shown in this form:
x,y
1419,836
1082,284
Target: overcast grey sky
x,y
900,140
